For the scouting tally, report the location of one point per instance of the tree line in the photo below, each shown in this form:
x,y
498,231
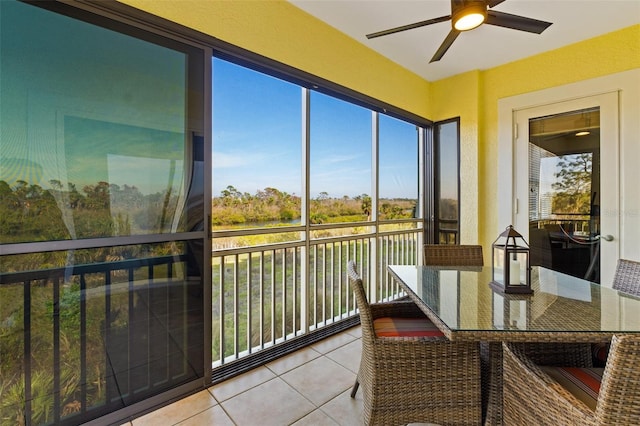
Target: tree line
x,y
233,207
29,212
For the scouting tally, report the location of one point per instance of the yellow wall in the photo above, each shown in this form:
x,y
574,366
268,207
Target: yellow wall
x,y
460,97
280,31
474,97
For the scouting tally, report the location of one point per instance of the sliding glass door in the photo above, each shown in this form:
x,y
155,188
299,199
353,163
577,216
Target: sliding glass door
x,y
101,216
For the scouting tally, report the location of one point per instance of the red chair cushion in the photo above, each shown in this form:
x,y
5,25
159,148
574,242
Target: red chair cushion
x,y
405,327
583,383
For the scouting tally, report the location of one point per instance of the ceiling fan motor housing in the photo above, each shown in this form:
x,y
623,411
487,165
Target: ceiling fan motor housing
x,y
463,8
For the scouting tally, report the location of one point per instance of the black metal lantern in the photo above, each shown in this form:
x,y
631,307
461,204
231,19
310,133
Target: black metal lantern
x,y
511,271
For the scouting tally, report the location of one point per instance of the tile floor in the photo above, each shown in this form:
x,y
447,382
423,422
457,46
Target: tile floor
x,y
308,387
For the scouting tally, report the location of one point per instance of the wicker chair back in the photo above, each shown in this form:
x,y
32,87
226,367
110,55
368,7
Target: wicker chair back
x,y
453,255
627,277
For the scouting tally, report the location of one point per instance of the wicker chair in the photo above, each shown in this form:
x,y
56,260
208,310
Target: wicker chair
x,y
542,353
409,379
532,396
626,279
453,255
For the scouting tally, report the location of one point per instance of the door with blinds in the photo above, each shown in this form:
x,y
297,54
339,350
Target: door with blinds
x,y
566,177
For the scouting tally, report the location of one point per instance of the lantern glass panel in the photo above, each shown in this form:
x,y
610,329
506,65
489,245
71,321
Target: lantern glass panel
x,y
498,264
517,268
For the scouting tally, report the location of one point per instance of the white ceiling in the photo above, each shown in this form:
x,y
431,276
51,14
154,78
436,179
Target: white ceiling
x,y
484,47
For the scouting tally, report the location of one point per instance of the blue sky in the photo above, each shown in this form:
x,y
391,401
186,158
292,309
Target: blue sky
x,y
257,134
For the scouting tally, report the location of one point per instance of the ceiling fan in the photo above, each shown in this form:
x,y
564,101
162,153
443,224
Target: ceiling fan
x,y
467,15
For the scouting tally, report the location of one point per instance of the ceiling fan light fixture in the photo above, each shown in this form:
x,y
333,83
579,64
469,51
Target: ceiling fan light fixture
x,y
469,16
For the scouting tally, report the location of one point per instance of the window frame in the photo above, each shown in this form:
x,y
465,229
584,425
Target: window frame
x,y
437,168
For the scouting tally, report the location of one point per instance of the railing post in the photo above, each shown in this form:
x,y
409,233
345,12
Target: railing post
x,y
56,348
26,358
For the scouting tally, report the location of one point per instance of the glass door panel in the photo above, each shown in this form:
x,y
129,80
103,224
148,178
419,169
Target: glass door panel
x,y
564,192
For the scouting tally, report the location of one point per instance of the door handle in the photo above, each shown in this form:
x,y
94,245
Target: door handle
x,y
607,237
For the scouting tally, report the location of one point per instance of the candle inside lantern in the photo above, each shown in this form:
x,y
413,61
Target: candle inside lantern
x,y
514,272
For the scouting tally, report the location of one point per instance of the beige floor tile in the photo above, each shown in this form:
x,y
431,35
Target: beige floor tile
x,y
344,410
270,403
241,383
291,361
213,416
348,355
178,411
316,418
331,343
355,331
320,380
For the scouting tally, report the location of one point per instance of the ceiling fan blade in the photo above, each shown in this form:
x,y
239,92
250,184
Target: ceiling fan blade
x,y
493,3
446,44
516,22
409,26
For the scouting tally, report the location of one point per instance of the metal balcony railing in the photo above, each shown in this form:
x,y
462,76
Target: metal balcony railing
x,y
91,339
267,294
447,231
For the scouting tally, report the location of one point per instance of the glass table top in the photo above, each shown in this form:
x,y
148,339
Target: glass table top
x,y
462,300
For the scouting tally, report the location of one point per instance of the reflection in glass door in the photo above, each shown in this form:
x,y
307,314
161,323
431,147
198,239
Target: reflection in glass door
x,y
564,192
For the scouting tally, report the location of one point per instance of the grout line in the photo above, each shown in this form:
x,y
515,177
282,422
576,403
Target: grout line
x,y
254,370
228,414
291,369
328,413
199,412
